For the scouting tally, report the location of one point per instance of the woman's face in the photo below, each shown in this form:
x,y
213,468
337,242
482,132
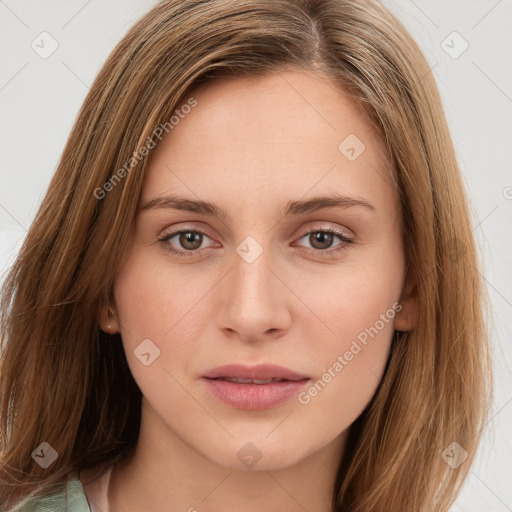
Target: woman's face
x,y
305,271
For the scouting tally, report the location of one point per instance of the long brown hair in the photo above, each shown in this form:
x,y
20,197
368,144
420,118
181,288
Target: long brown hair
x,y
65,382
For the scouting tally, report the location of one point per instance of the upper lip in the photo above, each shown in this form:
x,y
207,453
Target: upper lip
x,y
258,372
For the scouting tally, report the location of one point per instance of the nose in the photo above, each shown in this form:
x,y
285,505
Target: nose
x,y
254,301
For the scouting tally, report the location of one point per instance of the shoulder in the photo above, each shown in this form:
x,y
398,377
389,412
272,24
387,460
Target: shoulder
x,y
70,499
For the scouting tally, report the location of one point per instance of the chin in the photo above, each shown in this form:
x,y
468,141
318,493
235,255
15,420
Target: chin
x,y
255,453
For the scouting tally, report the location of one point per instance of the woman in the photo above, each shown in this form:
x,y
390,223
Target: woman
x,y
252,280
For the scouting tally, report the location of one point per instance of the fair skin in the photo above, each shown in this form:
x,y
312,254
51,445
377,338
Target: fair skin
x,y
250,146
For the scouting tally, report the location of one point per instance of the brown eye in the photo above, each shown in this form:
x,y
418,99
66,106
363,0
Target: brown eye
x,y
321,239
190,240
184,242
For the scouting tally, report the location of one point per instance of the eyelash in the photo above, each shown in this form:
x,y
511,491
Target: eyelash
x,y
323,252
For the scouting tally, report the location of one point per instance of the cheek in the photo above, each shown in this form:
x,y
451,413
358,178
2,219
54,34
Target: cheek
x,y
153,297
160,303
349,301
357,309
154,310
351,362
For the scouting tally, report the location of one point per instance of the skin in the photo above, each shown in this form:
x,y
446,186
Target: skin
x,y
250,146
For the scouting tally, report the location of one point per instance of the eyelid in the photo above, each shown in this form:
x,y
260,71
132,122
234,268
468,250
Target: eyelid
x,y
171,233
180,228
343,232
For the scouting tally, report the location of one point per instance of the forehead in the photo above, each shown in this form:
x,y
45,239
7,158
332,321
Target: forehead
x,y
283,133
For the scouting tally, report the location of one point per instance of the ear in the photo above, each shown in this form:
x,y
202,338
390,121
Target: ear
x,y
108,320
407,318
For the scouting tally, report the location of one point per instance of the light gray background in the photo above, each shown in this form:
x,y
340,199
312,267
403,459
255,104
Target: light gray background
x,y
39,100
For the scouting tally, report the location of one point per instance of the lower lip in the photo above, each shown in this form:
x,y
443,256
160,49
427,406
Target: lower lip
x,y
254,396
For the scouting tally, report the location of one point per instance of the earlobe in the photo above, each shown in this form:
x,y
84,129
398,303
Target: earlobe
x,y
407,318
108,320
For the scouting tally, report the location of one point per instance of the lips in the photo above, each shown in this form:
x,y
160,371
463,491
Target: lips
x,y
261,372
257,387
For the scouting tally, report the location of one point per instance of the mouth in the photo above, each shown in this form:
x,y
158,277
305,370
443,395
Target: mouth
x,y
254,388
259,374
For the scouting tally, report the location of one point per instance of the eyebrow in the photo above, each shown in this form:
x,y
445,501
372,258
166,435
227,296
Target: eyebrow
x,y
175,202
